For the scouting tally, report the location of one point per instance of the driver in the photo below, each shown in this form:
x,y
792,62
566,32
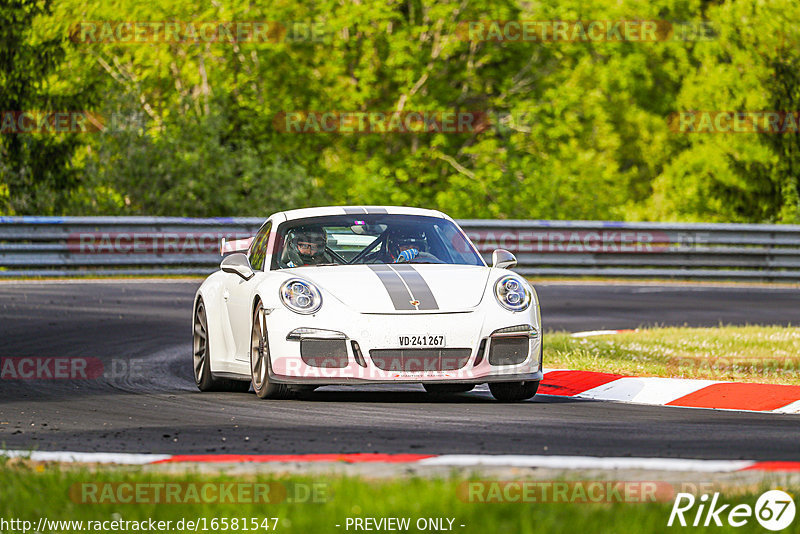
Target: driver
x,y
307,247
404,244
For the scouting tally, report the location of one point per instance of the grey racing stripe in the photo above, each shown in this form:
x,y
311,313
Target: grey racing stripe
x,y
420,289
376,211
394,286
355,211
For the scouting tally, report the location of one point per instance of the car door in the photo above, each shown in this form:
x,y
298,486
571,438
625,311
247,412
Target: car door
x,y
239,294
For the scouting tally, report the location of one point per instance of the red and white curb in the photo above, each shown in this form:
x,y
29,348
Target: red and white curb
x,y
687,393
447,460
657,391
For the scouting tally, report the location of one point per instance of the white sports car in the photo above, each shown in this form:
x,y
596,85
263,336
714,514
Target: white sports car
x,y
357,295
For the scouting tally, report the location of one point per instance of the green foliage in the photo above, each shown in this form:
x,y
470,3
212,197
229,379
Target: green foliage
x,y
36,173
190,167
753,64
576,130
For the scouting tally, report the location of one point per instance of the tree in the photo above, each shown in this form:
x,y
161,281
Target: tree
x,y
36,170
752,65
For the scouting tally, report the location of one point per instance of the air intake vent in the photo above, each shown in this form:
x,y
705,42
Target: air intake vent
x,y
420,359
508,350
331,353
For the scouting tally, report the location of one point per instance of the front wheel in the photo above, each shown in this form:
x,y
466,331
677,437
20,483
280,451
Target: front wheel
x,y
513,391
259,360
202,357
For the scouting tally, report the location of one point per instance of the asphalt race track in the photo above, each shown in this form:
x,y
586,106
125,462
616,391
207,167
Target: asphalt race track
x,y
147,325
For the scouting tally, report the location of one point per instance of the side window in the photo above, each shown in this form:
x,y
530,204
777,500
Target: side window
x,y
455,245
258,249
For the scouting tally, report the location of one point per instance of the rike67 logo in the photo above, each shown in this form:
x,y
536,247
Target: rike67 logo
x,y
774,510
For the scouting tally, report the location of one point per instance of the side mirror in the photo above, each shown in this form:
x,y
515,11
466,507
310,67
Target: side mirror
x,y
237,263
503,259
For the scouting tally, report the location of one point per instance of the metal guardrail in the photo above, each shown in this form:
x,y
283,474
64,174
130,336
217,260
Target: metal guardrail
x,y
69,246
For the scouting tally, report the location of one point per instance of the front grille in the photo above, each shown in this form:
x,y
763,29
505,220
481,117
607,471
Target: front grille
x,y
330,353
508,350
420,359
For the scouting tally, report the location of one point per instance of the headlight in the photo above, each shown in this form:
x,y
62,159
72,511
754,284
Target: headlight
x,y
512,293
301,296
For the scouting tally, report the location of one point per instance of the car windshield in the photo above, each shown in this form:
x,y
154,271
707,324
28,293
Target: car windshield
x,y
371,239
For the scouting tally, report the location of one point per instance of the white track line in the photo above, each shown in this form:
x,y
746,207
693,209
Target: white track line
x,y
590,462
590,333
87,457
453,460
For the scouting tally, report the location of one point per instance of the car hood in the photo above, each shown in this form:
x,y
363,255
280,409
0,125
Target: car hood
x,y
401,288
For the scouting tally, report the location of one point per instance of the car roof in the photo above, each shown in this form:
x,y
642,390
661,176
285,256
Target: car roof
x,y
358,210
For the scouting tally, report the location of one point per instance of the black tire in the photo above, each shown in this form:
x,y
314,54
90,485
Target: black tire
x,y
234,386
303,392
259,360
513,391
201,358
447,389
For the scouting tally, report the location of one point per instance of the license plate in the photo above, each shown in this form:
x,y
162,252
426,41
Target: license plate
x,y
422,341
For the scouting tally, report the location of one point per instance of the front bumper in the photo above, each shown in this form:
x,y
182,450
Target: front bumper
x,y
469,333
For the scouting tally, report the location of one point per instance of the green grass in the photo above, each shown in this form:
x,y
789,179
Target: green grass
x,y
748,353
32,491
